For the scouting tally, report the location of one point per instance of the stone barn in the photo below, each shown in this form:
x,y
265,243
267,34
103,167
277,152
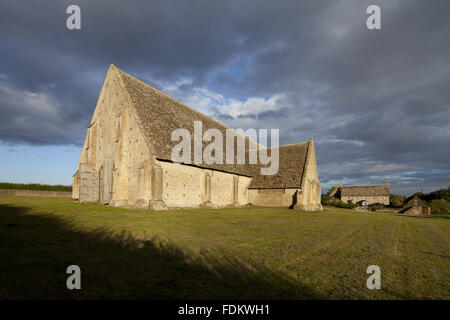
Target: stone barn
x,y
126,158
416,207
356,194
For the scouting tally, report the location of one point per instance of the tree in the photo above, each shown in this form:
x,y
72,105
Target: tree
x,y
325,198
396,201
439,206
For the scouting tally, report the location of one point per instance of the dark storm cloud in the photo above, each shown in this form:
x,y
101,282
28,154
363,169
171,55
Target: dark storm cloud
x,y
376,102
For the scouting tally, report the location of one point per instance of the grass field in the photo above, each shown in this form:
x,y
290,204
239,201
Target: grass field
x,y
245,253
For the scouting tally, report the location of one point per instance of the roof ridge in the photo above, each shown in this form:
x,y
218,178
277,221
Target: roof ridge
x,y
305,166
293,144
383,186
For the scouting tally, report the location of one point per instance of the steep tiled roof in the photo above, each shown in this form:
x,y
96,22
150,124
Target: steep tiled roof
x,y
364,191
159,115
292,163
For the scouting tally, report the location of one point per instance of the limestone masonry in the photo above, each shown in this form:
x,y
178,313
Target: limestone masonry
x,y
126,158
357,194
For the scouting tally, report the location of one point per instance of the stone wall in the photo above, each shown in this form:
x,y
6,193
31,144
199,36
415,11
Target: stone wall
x,y
115,148
417,211
189,186
309,195
88,183
183,186
222,189
273,197
76,186
370,199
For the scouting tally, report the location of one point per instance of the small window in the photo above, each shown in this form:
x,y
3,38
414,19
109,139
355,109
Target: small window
x,y
118,126
88,140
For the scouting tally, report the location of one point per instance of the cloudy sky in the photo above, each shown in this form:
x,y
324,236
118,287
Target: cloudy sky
x,y
376,102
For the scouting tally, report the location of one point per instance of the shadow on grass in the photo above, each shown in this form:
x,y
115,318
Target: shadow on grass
x,y
36,249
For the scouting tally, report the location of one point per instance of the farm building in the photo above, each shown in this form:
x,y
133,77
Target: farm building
x,y
126,158
356,194
416,207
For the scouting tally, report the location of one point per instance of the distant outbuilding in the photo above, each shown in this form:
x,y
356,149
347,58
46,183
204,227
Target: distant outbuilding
x,y
356,194
416,207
